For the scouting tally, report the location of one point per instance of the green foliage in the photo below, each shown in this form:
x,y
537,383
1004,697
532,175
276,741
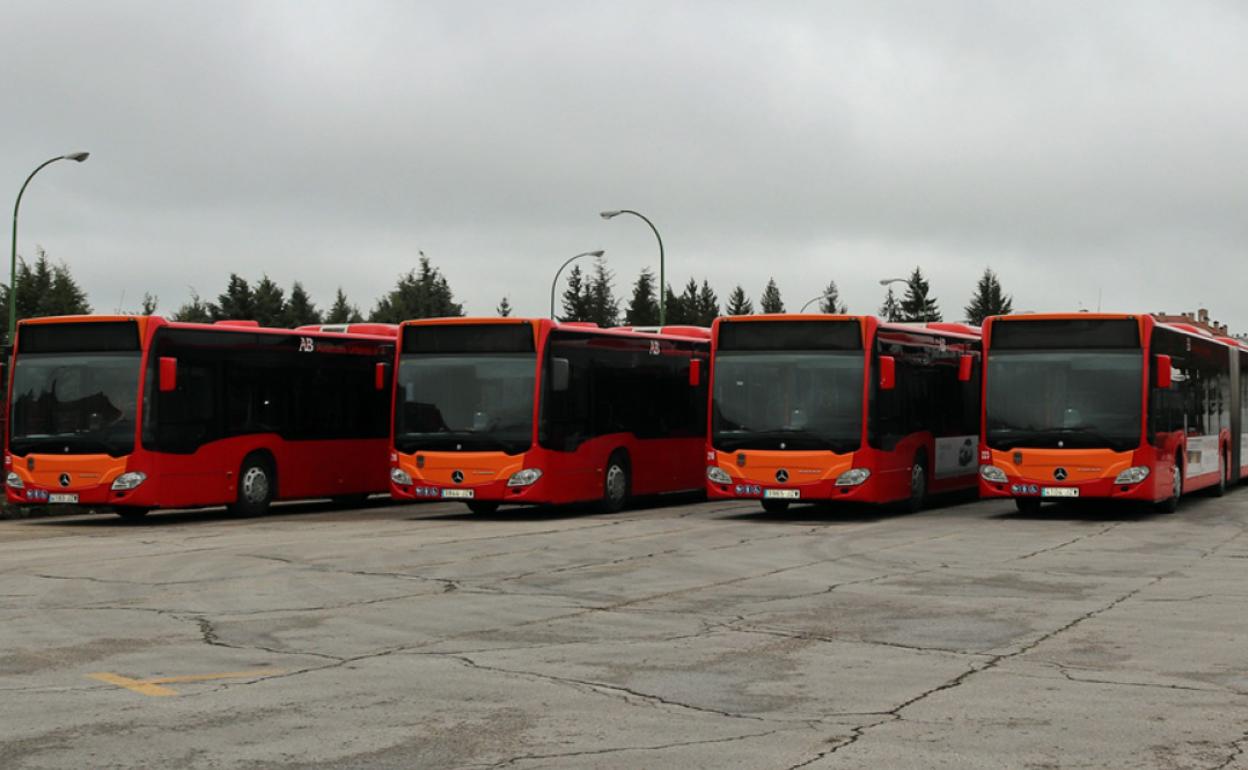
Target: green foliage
x,y
831,301
643,310
604,308
149,304
771,302
576,297
504,308
989,299
343,312
44,289
420,293
268,302
195,311
738,303
238,302
891,309
918,304
299,309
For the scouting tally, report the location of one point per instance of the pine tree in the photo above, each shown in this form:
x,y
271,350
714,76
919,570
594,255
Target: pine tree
x,y
891,309
504,308
420,293
576,297
66,296
237,302
690,311
917,305
604,309
988,299
738,303
44,290
770,301
195,311
149,304
643,310
707,305
678,313
269,303
831,301
299,309
343,312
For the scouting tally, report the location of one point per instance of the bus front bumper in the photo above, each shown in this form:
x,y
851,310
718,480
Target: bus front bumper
x,y
494,491
822,491
1054,491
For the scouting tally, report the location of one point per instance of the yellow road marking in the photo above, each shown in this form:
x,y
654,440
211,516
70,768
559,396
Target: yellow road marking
x,y
153,686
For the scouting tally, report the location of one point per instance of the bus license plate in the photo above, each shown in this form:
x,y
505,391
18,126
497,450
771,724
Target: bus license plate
x,y
62,498
1059,492
459,494
784,494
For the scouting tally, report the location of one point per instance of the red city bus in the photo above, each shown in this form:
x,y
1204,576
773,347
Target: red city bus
x,y
835,407
1115,407
500,410
137,413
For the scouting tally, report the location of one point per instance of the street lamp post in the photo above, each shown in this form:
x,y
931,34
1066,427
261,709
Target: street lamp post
x,y
567,262
74,156
659,238
816,299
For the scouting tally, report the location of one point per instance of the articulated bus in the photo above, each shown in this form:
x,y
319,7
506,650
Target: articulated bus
x,y
137,413
1115,407
828,407
492,411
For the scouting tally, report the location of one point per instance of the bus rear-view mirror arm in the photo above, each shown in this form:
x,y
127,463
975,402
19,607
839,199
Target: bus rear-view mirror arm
x,y
1161,365
168,380
560,374
888,373
381,375
695,373
966,365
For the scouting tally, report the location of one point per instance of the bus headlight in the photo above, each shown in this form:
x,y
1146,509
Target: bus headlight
x,y
1132,475
718,474
400,477
14,481
992,473
853,477
128,480
524,478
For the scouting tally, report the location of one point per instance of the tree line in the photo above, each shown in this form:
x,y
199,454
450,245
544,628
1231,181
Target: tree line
x,y
46,288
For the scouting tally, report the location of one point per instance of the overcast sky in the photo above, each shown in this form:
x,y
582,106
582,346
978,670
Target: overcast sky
x,y
1088,152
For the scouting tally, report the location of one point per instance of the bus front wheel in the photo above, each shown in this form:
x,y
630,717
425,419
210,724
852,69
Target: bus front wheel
x,y
255,487
918,485
1220,489
615,483
772,505
1171,504
132,515
483,507
1027,505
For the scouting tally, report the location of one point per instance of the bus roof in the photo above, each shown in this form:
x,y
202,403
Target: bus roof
x,y
376,331
943,328
696,333
1143,318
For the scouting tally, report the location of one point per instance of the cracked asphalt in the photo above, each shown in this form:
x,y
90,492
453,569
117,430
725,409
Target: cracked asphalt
x,y
690,635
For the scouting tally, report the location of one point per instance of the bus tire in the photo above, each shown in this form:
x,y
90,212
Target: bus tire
x,y
1029,506
483,507
256,484
1220,489
131,515
1171,503
616,483
350,501
918,485
772,505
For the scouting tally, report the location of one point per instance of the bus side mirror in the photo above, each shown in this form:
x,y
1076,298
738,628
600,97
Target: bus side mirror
x,y
888,373
966,365
695,373
381,375
560,374
168,374
1161,365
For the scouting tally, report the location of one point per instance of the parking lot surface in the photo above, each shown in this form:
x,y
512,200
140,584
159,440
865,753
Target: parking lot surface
x,y
689,635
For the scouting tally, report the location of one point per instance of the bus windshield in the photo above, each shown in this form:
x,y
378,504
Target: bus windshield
x,y
74,403
468,402
1064,398
788,400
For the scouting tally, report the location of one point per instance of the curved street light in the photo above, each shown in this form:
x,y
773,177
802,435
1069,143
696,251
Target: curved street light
x,y
887,281
662,280
74,156
567,262
816,299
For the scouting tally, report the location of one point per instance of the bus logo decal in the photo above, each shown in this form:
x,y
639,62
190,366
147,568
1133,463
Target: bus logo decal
x,y
782,475
1059,474
457,477
307,345
654,347
64,479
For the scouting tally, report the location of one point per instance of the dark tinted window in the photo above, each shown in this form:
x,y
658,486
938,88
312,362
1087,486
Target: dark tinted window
x,y
928,396
95,337
621,384
469,338
789,335
1198,399
1065,334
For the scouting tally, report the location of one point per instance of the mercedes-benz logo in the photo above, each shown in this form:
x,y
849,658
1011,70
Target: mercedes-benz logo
x,y
1059,474
782,475
457,477
64,479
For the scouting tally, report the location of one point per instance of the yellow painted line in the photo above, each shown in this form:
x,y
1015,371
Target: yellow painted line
x,y
153,686
136,685
210,677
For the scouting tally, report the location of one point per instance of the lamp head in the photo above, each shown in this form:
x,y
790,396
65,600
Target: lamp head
x,y
78,156
610,214
887,281
596,254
